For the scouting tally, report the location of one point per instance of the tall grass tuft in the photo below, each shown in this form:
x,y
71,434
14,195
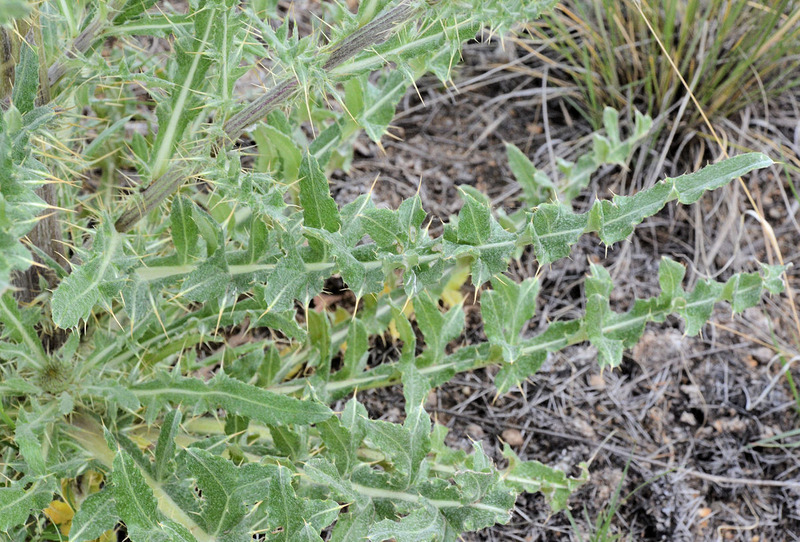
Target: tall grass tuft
x,y
731,52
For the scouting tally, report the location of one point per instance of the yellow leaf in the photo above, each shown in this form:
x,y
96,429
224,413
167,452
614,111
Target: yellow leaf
x,y
451,294
60,513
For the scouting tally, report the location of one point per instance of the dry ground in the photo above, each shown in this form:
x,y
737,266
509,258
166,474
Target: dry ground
x,y
683,415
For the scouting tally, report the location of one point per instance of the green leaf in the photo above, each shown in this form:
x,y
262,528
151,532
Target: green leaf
x,y
339,442
277,149
209,281
185,233
165,446
232,395
532,476
218,479
28,438
418,423
319,209
395,442
324,473
670,277
474,218
743,290
192,61
382,225
439,329
137,506
16,329
423,524
97,514
691,186
407,335
319,337
353,525
554,228
535,183
505,311
289,281
355,357
773,277
26,78
513,374
16,504
290,514
13,9
77,294
614,220
257,243
411,216
290,441
342,437
699,305
380,102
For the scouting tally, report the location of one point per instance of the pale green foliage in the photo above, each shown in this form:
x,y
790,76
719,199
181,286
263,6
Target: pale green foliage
x,y
13,9
200,436
537,187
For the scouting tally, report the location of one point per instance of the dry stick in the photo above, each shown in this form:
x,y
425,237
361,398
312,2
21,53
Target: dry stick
x,y
369,35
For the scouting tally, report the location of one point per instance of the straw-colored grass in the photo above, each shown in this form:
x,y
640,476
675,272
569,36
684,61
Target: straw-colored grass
x,y
732,53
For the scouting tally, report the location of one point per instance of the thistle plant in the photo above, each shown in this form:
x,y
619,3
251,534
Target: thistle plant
x,y
125,407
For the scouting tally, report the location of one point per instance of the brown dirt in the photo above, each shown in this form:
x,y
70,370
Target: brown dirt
x,y
682,413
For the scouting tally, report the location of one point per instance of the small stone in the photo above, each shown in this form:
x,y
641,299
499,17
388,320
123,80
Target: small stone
x,y
691,391
475,431
584,428
763,354
393,414
513,437
688,418
597,381
432,400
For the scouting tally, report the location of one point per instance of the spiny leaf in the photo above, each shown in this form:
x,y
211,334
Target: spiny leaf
x,y
230,394
192,61
26,79
165,446
16,329
474,219
77,294
138,507
532,476
217,478
97,514
554,227
17,503
184,230
423,524
319,209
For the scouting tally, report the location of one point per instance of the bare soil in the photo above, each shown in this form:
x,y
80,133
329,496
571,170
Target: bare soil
x,y
676,428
